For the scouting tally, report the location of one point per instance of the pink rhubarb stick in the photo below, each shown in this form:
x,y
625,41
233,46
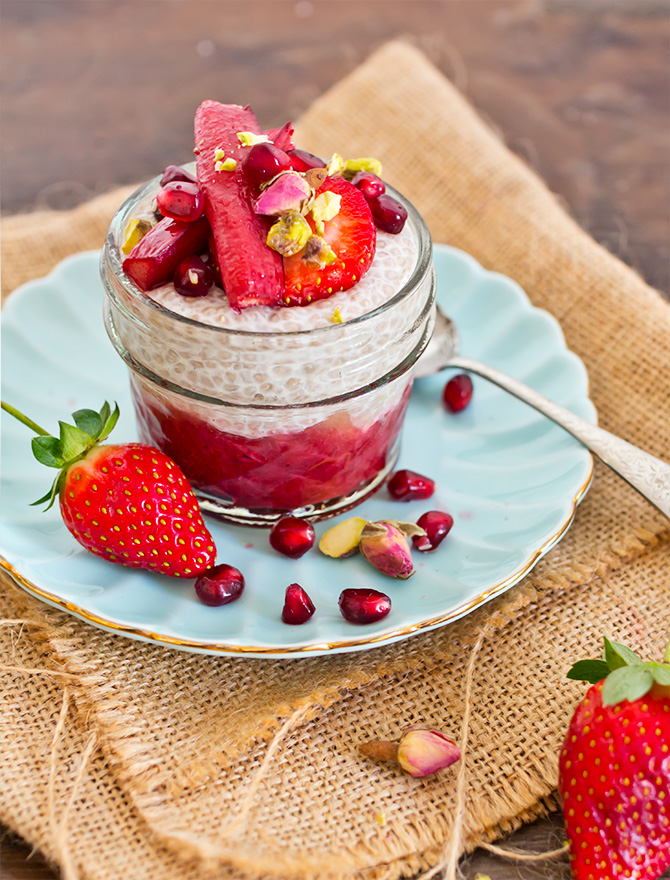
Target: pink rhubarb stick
x,y
251,272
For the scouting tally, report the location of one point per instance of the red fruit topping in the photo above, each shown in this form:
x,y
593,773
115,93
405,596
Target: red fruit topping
x,y
409,486
457,392
369,184
181,200
301,160
220,585
351,235
364,606
389,214
155,257
298,607
176,172
437,526
193,277
263,162
281,137
251,272
614,772
292,536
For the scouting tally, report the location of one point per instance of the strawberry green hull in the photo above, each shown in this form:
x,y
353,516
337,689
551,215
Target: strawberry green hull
x,y
251,272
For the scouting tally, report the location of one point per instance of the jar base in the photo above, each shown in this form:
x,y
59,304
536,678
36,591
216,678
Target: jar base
x,y
264,517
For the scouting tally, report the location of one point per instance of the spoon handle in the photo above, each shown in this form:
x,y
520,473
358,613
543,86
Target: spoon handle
x,y
649,475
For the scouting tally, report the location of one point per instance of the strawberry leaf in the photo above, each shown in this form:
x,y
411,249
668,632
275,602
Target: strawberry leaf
x,y
627,683
661,672
48,450
592,671
74,442
88,421
50,496
616,655
108,420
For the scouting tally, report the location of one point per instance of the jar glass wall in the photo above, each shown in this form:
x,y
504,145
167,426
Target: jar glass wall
x,y
276,421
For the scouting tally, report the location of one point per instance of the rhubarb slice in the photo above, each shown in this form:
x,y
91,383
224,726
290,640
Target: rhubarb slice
x,y
155,257
251,272
282,137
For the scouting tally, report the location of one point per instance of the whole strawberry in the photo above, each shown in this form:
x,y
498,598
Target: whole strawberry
x,y
129,503
614,769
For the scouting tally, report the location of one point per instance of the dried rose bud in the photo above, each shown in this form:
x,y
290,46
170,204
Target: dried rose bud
x,y
288,191
423,752
420,752
384,545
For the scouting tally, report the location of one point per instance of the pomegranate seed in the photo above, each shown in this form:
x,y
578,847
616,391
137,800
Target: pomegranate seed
x,y
219,585
301,160
298,607
193,277
410,486
458,392
181,200
364,606
369,184
292,536
176,172
389,215
437,526
263,162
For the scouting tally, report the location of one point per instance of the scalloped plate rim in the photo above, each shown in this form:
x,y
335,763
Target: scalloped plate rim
x,y
216,647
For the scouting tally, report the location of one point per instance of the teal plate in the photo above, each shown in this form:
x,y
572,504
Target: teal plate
x,y
510,478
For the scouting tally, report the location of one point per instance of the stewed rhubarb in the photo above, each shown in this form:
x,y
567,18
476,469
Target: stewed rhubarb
x,y
156,256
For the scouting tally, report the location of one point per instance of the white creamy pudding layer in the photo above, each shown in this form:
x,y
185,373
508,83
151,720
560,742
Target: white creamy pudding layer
x,y
395,258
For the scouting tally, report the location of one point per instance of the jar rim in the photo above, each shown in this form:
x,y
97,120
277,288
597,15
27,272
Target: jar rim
x,y
111,257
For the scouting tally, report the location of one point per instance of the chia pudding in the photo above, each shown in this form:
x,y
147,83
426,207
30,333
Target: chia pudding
x,y
269,406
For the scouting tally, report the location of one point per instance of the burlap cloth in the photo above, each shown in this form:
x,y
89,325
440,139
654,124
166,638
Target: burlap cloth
x,y
123,760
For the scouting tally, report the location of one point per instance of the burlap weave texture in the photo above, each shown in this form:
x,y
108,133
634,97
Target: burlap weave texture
x,y
176,742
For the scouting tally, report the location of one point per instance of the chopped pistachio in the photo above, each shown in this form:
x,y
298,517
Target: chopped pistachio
x,y
228,164
337,317
219,153
324,208
290,234
315,176
319,252
335,166
135,230
352,166
343,539
249,138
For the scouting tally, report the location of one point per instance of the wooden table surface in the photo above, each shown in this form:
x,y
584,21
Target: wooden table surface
x,y
97,93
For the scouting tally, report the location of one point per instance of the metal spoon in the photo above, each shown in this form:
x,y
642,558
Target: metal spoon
x,y
649,475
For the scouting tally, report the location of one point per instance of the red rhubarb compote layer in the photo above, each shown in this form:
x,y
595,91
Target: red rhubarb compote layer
x,y
280,470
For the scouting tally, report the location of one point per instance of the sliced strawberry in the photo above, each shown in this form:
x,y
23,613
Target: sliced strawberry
x,y
251,272
282,137
155,257
351,235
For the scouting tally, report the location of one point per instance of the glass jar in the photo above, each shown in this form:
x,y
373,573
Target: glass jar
x,y
301,421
